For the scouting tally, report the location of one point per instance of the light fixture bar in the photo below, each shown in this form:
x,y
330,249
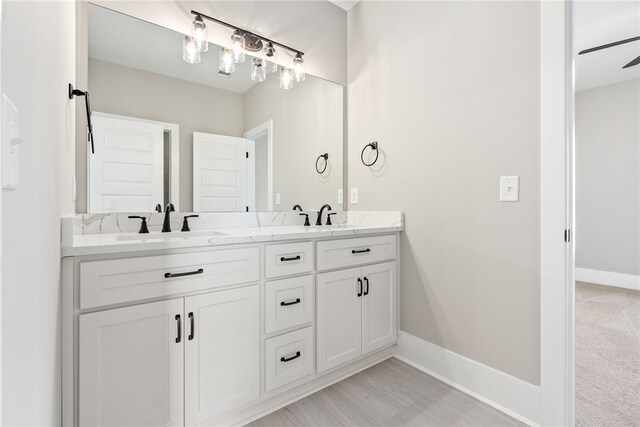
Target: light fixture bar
x,y
233,27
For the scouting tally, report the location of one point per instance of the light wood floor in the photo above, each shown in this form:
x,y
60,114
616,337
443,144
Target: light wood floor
x,y
391,393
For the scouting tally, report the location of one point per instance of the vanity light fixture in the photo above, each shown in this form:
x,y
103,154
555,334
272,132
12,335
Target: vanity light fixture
x,y
238,46
270,58
286,78
258,73
190,51
226,63
200,34
298,68
243,41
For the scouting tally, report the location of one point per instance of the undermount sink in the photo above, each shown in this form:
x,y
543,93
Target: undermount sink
x,y
171,235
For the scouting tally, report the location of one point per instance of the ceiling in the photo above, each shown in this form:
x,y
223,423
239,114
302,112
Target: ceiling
x,y
344,4
127,41
601,22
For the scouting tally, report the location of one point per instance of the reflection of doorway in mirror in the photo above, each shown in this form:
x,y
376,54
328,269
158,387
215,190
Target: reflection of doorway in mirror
x,y
135,164
262,136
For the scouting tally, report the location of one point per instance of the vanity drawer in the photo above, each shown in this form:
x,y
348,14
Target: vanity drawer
x,y
130,279
288,357
288,259
350,252
288,303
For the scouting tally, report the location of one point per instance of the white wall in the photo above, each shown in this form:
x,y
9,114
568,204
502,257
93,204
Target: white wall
x,y
38,61
451,90
608,178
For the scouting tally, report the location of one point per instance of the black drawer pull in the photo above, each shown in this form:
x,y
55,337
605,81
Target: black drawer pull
x,y
367,282
179,338
284,359
188,273
191,320
360,251
293,258
284,304
359,287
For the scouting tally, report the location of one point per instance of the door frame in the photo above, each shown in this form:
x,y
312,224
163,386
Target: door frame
x,y
557,258
253,134
174,164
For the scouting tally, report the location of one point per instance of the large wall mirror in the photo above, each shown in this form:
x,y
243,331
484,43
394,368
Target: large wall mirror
x,y
169,131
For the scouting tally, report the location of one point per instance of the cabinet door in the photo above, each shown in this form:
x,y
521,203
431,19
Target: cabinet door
x,y
222,352
339,317
379,315
131,367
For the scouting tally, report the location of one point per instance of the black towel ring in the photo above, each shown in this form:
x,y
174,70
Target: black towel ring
x,y
374,146
324,156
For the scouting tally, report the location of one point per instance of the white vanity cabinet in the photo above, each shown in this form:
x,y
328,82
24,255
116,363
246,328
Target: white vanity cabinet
x,y
356,313
220,335
131,366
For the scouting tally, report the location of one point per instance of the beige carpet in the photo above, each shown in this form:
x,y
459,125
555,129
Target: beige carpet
x,y
607,356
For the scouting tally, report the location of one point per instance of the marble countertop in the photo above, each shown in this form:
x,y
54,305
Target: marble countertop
x,y
94,244
75,243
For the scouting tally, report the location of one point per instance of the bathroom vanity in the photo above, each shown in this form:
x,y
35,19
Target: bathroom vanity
x,y
221,326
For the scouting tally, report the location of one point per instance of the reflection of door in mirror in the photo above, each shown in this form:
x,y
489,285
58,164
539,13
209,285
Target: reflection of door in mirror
x,y
262,136
221,166
131,171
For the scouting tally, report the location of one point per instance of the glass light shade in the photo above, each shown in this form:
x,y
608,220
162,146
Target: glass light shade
x,y
270,58
286,78
190,51
226,63
258,73
200,34
237,45
298,68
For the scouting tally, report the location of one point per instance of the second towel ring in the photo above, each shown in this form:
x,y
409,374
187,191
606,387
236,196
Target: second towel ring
x,y
374,146
324,156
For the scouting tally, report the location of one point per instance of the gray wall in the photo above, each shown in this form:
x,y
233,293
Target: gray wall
x,y
36,79
608,178
196,108
307,122
451,92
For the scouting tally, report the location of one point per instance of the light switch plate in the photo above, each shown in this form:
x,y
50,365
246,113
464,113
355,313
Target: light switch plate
x,y
10,144
340,196
277,198
354,196
509,188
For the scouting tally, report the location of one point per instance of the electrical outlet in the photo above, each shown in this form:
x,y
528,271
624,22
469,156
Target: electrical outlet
x,y
277,198
340,196
354,196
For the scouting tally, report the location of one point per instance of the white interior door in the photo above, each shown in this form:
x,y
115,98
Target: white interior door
x,y
219,173
126,172
131,367
222,352
339,317
379,315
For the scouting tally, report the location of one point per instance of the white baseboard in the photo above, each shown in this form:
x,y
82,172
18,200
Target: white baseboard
x,y
515,397
608,278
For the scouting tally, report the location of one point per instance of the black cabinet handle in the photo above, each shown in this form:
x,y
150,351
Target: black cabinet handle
x,y
360,251
284,304
284,359
293,258
188,273
367,282
360,287
190,337
179,338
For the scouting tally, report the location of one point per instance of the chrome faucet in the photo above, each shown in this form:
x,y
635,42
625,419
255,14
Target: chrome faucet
x,y
166,225
319,218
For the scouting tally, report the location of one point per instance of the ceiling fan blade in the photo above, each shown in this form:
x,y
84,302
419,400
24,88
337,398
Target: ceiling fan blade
x,y
608,45
632,63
